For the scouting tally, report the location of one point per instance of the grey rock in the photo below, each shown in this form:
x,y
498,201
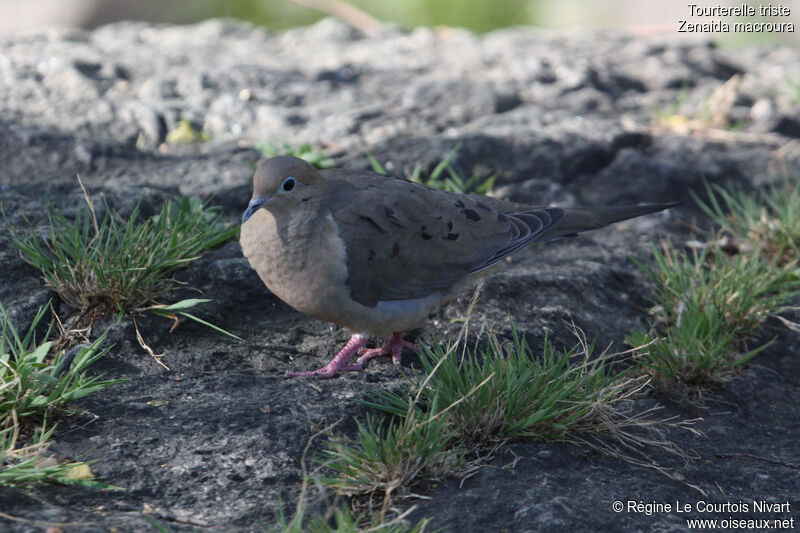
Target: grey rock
x,y
561,117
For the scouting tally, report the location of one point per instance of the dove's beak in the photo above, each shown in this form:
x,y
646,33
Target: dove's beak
x,y
254,205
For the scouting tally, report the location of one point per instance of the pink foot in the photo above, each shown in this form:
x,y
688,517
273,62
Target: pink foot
x,y
338,363
394,346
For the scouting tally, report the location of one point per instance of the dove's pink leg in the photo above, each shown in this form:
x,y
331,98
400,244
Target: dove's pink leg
x,y
394,346
339,362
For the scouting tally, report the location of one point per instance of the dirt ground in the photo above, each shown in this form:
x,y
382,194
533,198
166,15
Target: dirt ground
x,y
215,442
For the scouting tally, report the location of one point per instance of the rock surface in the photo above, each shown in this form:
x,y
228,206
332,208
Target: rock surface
x,y
563,118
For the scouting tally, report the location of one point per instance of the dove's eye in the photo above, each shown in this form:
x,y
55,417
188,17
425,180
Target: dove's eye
x,y
288,184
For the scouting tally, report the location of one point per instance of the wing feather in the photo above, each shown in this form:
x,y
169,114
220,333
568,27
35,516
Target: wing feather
x,y
405,240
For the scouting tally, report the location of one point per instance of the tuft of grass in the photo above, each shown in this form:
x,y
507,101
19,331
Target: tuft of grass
x,y
389,457
314,157
466,407
707,305
122,266
29,464
444,176
32,385
768,219
571,396
345,518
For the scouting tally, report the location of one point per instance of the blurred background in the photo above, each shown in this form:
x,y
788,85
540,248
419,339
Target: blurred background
x,y
653,17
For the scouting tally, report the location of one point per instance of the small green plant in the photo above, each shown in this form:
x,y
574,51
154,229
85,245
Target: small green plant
x,y
114,266
570,396
345,518
466,407
29,464
305,152
444,176
390,456
32,385
707,305
768,219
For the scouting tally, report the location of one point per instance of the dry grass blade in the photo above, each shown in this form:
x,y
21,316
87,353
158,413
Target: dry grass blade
x,y
146,347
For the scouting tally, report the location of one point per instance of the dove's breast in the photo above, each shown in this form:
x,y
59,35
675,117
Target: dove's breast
x,y
305,265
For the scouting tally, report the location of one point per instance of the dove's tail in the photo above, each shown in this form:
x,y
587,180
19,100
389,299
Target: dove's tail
x,y
544,224
575,221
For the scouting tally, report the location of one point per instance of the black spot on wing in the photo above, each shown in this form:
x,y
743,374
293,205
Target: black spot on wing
x,y
459,204
471,214
371,221
481,205
450,236
390,213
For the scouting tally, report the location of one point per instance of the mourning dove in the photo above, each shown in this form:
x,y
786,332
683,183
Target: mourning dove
x,y
377,254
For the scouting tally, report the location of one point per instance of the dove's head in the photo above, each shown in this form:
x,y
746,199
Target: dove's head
x,y
281,183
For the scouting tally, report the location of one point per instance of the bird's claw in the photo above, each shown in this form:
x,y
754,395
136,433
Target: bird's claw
x,y
356,345
324,372
394,346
